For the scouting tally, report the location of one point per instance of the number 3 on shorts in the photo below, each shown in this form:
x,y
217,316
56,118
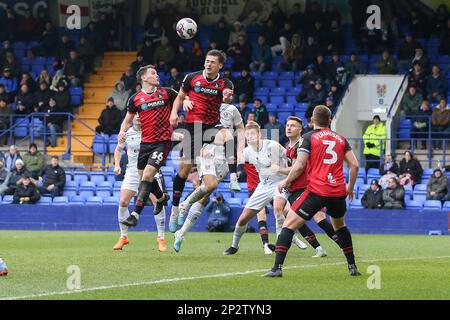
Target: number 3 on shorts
x,y
330,145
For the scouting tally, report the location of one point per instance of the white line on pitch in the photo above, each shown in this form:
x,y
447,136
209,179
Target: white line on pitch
x,y
220,275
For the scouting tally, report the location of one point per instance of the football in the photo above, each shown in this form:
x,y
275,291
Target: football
x,y
186,28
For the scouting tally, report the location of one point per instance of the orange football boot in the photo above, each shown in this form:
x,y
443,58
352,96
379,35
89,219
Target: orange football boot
x,y
121,243
161,244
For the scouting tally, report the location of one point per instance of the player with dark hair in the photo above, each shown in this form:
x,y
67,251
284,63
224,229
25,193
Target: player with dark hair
x,y
206,90
154,105
325,152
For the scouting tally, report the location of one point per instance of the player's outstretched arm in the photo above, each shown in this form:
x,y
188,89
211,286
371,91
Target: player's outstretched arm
x,y
117,157
298,167
353,166
175,107
126,124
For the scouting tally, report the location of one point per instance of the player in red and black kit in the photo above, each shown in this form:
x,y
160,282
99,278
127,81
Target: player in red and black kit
x,y
154,105
294,127
206,90
325,152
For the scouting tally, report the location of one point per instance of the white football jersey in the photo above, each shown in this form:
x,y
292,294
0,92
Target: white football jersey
x,y
133,144
230,117
271,152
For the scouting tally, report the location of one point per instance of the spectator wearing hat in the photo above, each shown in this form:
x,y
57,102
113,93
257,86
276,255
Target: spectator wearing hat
x,y
5,174
261,56
26,192
373,197
437,186
52,178
374,139
16,177
138,63
437,85
219,213
411,101
110,119
275,130
5,120
9,81
386,65
244,86
11,157
120,96
418,77
34,161
394,195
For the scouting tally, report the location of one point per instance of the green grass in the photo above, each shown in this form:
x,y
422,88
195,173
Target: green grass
x,y
412,267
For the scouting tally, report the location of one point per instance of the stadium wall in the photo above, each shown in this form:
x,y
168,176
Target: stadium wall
x,y
104,218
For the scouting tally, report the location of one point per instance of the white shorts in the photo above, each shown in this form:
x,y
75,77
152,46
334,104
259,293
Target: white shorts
x,y
212,167
131,181
263,194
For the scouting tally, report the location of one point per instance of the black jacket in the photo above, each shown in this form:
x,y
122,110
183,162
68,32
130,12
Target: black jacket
x,y
53,175
412,167
110,117
23,191
372,199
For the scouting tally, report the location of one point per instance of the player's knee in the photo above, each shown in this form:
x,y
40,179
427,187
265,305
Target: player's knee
x,y
210,186
123,203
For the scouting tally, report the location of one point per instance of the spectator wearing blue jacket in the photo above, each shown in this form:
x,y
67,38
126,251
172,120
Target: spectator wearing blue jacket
x,y
262,56
219,212
9,81
437,85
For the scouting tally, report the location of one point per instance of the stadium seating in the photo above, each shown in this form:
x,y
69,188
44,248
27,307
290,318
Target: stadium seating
x,y
356,204
61,201
432,205
413,204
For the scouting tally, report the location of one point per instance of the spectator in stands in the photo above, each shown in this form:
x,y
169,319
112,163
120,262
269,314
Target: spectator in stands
x,y
110,119
5,121
297,17
26,26
138,63
277,16
373,197
444,47
182,60
407,51
10,24
410,170
394,195
238,30
418,23
21,109
42,96
129,79
25,78
17,173
244,86
388,169
62,98
3,51
48,41
283,43
315,96
26,98
374,139
9,81
3,94
57,79
147,50
447,196
334,92
261,57
54,122
26,192
11,157
421,124
155,33
311,50
293,58
275,130
437,186
4,176
74,69
221,34
307,80
243,109
335,38
437,85
440,19
63,49
175,79
164,55
13,65
52,178
418,78
329,103
341,77
262,115
95,38
120,96
411,101
241,51
197,56
251,116
219,212
354,66
421,59
44,76
86,54
440,122
319,33
386,65
33,161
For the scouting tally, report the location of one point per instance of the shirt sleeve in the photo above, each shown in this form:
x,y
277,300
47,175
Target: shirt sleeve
x,y
246,157
306,144
172,94
186,84
278,154
347,147
131,107
237,118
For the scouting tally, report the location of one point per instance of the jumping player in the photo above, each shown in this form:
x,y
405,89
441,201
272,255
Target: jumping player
x,y
324,151
154,104
130,186
207,90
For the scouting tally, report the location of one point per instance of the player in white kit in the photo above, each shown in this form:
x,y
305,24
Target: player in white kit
x,y
265,155
130,186
212,168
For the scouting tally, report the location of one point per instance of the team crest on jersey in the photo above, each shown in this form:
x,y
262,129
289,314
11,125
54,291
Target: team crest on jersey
x,y
217,85
160,95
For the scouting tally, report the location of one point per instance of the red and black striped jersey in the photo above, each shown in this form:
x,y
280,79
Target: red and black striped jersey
x,y
326,150
302,181
154,112
207,96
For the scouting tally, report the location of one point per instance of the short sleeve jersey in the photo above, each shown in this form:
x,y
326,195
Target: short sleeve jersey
x,y
302,181
326,150
230,117
207,96
154,112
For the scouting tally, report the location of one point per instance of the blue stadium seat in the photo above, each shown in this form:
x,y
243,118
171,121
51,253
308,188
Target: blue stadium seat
x,y
413,204
427,173
86,194
271,107
270,75
94,201
419,197
285,83
117,185
261,91
70,193
71,185
286,75
7,199
100,144
110,201
45,201
76,90
234,202
103,193
361,189
277,99
69,176
446,205
80,176
168,171
97,177
362,173
104,186
168,185
432,205
111,177
291,99
75,99
76,200
269,83
286,107
359,182
373,171
263,98
87,186
420,189
244,202
61,200
302,106
356,204
278,91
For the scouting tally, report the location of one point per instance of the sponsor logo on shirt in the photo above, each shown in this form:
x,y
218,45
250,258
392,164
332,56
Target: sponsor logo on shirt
x,y
152,105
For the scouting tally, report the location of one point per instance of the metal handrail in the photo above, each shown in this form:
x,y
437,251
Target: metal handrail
x,y
396,95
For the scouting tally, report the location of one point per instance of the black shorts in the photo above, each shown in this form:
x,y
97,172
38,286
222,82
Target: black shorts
x,y
310,203
295,195
153,154
197,134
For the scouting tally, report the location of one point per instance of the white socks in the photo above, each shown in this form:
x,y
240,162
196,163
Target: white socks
x,y
194,214
237,235
279,223
123,213
233,176
160,220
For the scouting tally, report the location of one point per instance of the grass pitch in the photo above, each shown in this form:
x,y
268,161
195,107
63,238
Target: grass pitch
x,y
412,267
